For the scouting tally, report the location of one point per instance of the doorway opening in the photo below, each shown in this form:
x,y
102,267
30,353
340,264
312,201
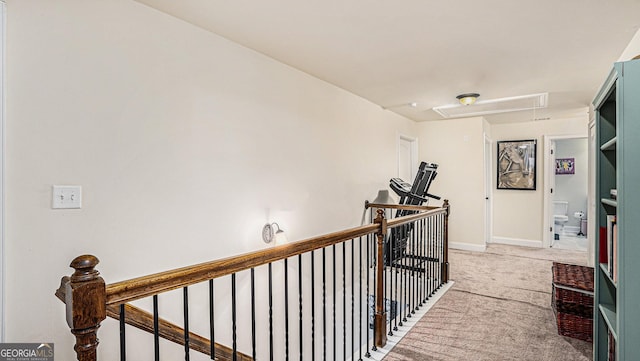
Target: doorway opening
x,y
566,192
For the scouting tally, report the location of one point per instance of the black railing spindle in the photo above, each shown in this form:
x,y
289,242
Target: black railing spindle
x,y
344,301
270,312
324,305
253,314
185,295
123,348
286,309
313,306
300,333
334,302
368,241
156,330
212,317
234,336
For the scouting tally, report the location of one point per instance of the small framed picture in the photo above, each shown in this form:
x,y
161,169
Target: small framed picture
x,y
517,164
565,166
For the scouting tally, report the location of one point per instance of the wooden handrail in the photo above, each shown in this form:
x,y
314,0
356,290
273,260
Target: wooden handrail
x,y
405,207
145,286
414,217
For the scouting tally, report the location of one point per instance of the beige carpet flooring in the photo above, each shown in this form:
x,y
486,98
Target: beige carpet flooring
x,y
498,309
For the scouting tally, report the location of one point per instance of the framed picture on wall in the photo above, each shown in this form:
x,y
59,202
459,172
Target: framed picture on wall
x,y
517,164
565,166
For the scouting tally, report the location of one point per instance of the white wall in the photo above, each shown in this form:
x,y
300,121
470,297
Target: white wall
x,y
185,144
632,50
518,214
456,145
573,187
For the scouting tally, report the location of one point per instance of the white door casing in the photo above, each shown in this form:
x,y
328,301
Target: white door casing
x,y
488,190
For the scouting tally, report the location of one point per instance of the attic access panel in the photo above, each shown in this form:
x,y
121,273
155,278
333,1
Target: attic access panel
x,y
494,106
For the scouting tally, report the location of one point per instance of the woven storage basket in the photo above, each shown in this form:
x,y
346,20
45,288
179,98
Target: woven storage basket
x,y
572,300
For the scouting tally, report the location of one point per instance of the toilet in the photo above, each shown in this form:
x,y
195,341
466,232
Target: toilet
x,y
560,217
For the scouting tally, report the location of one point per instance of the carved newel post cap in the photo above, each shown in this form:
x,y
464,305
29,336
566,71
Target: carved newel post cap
x,y
446,205
85,268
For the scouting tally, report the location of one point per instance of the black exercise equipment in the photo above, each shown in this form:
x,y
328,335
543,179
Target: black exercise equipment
x,y
395,247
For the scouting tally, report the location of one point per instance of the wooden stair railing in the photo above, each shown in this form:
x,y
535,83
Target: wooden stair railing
x,y
143,320
89,300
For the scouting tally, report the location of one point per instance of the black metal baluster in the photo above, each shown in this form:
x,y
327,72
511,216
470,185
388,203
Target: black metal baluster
x,y
423,253
334,301
286,309
185,295
360,299
300,304
431,241
270,312
441,246
437,278
313,306
253,314
353,327
123,348
434,251
156,329
373,302
398,301
344,301
438,269
367,354
414,267
233,317
419,262
403,288
392,310
324,305
212,331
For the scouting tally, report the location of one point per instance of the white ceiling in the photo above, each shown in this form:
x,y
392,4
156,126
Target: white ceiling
x,y
397,52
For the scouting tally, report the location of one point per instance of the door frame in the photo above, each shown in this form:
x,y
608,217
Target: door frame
x,y
488,189
547,222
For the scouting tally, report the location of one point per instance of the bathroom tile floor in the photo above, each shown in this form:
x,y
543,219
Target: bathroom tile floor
x,y
575,243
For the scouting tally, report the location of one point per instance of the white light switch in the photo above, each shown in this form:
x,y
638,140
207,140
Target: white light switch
x,y
67,197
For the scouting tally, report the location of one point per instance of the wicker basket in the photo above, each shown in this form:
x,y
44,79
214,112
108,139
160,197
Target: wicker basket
x,y
572,300
574,326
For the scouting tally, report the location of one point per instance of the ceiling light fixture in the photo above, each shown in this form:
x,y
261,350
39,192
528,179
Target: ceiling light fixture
x,y
468,98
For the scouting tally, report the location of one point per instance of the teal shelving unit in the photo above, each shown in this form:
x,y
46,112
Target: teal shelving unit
x,y
617,302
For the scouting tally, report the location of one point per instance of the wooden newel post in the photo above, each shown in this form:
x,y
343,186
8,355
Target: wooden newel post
x,y
85,297
445,243
380,322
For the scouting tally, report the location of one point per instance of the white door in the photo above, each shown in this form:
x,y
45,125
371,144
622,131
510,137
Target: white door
x,y
406,158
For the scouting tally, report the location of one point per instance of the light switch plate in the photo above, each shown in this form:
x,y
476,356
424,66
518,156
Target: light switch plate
x,y
66,197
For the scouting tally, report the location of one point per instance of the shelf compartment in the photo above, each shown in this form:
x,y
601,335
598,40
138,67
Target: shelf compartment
x,y
609,202
604,267
609,314
610,145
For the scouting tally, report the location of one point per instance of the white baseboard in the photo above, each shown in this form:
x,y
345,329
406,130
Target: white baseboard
x,y
517,242
468,246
